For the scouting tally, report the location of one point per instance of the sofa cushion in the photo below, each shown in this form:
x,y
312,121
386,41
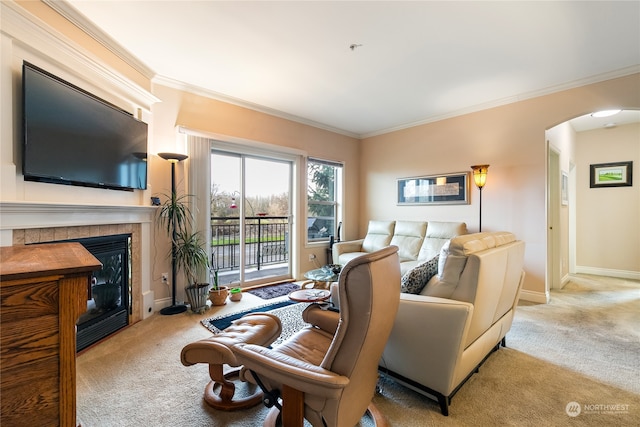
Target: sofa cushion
x,y
408,237
453,259
345,258
438,233
415,279
450,267
378,235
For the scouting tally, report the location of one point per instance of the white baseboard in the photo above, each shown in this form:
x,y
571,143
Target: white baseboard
x,y
532,296
159,304
622,274
148,304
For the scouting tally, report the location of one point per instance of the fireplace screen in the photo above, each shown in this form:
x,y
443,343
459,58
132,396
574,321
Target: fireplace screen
x,y
109,289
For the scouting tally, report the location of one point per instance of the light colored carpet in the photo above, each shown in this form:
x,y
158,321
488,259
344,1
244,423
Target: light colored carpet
x,y
572,350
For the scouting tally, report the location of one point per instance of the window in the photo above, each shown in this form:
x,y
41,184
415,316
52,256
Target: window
x,y
324,183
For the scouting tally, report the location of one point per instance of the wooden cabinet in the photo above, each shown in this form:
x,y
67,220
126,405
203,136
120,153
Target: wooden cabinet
x,y
43,291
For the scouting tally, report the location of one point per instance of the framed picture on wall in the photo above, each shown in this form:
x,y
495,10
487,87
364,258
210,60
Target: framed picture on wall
x,y
617,174
445,189
565,188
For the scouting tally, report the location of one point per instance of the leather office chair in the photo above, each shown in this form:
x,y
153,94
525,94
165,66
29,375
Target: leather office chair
x,y
327,372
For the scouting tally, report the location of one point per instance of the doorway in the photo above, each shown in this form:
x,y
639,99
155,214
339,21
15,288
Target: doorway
x,y
250,217
554,255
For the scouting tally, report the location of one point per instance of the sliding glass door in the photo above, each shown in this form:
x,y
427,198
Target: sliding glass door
x,y
250,217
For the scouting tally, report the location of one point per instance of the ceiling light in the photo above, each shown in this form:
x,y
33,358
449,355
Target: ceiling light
x,y
605,113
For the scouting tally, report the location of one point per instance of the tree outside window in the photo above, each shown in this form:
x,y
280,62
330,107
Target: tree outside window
x,y
323,180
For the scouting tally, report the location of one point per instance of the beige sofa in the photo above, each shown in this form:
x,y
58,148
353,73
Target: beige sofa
x,y
417,241
441,336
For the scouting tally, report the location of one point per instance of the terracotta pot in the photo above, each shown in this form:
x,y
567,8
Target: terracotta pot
x,y
219,296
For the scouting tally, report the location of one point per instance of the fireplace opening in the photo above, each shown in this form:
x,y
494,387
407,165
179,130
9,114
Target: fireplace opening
x,y
109,289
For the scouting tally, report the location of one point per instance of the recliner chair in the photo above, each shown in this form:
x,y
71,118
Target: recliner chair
x,y
327,372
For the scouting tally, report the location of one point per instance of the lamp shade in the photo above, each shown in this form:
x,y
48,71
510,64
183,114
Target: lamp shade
x,y
173,157
480,175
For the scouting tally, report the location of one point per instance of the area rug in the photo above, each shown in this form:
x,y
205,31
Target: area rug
x,y
274,291
219,323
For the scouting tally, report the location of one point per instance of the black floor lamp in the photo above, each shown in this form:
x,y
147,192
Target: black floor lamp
x,y
480,178
174,308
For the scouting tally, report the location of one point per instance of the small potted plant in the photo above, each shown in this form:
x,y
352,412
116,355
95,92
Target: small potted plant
x,y
235,294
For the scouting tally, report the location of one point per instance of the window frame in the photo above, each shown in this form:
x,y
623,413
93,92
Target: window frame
x,y
337,201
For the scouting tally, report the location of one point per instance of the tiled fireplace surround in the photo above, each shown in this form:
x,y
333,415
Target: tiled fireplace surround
x,y
25,223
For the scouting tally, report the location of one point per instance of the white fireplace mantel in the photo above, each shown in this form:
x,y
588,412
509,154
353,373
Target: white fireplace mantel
x,y
23,215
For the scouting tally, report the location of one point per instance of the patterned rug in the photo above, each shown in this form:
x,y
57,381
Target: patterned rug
x,y
289,312
274,291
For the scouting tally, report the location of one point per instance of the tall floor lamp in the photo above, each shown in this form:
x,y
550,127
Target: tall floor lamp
x,y
480,178
174,308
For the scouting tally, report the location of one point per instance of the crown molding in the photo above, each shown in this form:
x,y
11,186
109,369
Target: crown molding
x,y
36,37
179,85
72,15
512,99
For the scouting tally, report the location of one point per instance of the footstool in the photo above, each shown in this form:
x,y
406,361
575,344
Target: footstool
x,y
255,328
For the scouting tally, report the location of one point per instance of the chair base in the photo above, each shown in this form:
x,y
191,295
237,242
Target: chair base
x,y
219,392
273,417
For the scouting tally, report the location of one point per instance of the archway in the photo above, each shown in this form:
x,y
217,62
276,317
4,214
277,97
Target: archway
x,y
564,214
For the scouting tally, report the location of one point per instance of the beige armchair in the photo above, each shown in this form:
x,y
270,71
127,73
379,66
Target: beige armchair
x,y
327,372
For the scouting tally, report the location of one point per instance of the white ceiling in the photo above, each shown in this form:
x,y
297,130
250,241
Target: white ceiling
x,y
415,62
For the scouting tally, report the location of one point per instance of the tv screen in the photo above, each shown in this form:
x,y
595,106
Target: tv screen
x,y
72,137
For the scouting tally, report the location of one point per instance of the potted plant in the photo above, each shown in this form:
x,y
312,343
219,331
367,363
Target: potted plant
x,y
192,259
217,294
235,294
187,248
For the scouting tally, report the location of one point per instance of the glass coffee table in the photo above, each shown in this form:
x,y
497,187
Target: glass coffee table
x,y
321,278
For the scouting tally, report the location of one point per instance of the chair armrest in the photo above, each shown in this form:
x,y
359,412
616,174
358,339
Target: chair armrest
x,y
322,318
427,340
346,247
295,373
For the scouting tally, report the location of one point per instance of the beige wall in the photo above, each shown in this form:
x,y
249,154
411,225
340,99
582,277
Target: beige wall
x,y
511,139
608,219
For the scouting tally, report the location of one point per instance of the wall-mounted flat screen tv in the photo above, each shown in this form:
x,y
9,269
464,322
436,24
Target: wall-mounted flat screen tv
x,y
73,137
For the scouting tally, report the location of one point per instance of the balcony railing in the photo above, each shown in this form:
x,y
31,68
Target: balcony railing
x,y
266,241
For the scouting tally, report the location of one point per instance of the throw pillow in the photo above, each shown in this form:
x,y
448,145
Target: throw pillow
x,y
415,279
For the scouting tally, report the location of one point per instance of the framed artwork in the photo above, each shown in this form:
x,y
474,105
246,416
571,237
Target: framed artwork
x,y
617,174
445,189
565,188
